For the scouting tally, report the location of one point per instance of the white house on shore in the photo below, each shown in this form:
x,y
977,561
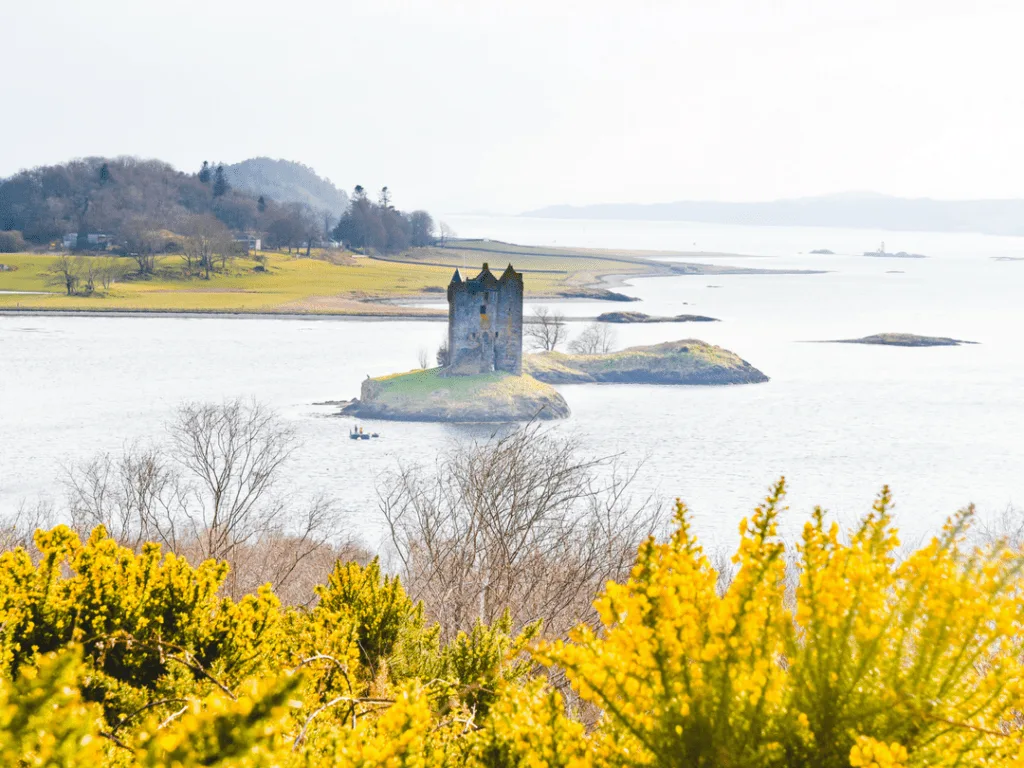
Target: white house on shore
x,y
94,239
250,243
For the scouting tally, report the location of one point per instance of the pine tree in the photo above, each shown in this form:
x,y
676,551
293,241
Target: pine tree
x,y
204,173
104,173
261,204
220,182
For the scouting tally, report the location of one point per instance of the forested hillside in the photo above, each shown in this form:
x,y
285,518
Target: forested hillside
x,y
120,197
140,206
286,182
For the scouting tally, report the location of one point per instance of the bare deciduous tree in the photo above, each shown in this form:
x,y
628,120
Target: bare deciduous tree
x,y
446,232
210,494
64,270
424,358
18,529
546,330
142,241
89,271
233,452
134,496
206,240
109,270
522,521
595,339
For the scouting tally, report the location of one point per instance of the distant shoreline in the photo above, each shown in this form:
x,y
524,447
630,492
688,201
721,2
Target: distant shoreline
x,y
865,211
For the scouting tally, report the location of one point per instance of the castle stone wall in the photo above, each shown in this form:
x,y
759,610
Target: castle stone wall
x,y
485,323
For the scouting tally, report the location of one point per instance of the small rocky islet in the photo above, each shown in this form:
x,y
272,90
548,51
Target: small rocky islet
x,y
640,317
684,362
903,340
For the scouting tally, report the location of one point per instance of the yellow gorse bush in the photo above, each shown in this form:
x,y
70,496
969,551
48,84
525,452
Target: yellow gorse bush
x,y
831,653
868,661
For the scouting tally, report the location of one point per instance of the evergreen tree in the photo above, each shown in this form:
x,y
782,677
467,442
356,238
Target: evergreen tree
x,y
104,173
220,182
204,173
261,204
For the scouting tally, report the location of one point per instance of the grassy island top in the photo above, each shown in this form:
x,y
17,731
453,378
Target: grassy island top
x,y
428,395
688,361
421,383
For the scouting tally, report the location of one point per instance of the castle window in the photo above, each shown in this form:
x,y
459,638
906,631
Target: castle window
x,y
483,309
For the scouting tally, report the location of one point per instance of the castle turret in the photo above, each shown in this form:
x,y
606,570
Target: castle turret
x,y
485,323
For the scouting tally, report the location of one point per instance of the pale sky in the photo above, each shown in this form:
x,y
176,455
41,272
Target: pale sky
x,y
505,106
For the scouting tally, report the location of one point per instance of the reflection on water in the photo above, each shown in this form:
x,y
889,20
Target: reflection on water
x,y
941,425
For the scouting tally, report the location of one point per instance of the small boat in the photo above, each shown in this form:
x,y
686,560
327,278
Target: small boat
x,y
356,433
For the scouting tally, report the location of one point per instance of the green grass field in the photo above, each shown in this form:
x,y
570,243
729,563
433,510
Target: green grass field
x,y
336,284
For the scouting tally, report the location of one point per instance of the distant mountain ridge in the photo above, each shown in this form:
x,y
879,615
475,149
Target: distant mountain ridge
x,y
286,182
848,210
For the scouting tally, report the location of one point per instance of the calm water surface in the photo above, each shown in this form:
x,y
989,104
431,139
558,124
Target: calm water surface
x,y
942,426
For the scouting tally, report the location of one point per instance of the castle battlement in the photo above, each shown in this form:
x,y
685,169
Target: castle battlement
x,y
485,323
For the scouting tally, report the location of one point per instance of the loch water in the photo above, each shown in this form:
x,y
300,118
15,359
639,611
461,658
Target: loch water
x,y
942,426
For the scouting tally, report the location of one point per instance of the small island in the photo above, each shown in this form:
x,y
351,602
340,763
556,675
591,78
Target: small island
x,y
881,253
482,377
823,252
904,340
640,317
430,395
688,361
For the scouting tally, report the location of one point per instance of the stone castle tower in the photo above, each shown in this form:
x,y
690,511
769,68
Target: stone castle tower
x,y
485,323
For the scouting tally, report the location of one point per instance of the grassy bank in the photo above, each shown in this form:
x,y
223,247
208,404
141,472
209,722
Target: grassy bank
x,y
338,284
334,282
289,284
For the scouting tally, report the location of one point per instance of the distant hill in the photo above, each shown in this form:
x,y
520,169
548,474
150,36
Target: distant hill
x,y
849,210
286,182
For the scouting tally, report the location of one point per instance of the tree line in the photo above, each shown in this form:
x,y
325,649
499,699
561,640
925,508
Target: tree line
x,y
381,226
141,205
